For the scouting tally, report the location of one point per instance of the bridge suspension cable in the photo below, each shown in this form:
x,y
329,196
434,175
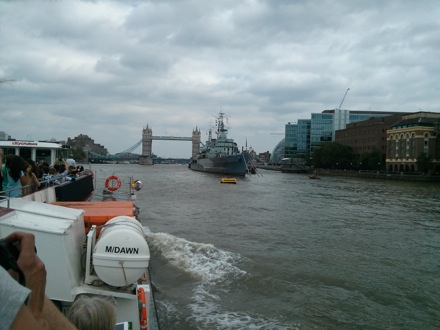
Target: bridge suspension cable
x,y
126,151
137,144
131,149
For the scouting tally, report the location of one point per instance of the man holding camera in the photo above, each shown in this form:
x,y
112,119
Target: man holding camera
x,y
27,307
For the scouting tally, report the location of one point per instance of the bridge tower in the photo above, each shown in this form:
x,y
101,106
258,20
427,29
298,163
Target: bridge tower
x,y
195,142
147,140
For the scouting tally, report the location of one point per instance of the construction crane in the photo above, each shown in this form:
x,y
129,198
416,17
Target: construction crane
x,y
340,105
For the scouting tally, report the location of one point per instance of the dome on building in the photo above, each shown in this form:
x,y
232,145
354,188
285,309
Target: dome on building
x,y
277,153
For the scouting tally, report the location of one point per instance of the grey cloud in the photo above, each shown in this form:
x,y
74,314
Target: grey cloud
x,y
175,64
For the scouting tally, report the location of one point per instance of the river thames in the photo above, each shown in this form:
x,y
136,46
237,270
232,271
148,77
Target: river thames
x,y
281,251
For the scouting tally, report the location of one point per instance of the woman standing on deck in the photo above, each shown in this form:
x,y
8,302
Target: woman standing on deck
x,y
15,177
31,181
5,167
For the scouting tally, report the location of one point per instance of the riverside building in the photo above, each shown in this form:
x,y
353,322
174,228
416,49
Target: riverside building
x,y
305,136
368,135
415,134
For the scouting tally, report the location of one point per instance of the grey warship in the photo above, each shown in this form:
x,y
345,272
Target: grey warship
x,y
221,155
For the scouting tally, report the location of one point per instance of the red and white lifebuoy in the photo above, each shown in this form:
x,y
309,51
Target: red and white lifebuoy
x,y
110,183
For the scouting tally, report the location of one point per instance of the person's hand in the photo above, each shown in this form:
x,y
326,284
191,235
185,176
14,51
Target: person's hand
x,y
32,267
40,312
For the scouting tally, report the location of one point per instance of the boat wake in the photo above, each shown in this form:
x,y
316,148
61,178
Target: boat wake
x,y
210,314
216,273
203,261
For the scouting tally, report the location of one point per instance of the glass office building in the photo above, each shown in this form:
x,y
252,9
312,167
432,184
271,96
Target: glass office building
x,y
297,139
291,141
321,129
278,153
304,137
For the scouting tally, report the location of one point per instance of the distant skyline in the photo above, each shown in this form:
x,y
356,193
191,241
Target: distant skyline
x,y
108,68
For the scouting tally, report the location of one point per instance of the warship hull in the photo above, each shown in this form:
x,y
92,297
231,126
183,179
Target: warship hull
x,y
230,165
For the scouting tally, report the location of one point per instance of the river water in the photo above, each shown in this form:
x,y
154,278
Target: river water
x,y
281,251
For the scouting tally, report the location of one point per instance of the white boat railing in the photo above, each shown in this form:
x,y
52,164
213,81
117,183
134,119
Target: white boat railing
x,y
52,189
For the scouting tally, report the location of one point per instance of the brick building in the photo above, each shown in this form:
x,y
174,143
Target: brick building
x,y
368,135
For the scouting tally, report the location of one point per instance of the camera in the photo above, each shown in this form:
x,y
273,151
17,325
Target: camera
x,y
8,258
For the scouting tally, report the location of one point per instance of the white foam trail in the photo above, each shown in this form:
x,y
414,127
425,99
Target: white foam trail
x,y
147,230
213,316
203,261
214,268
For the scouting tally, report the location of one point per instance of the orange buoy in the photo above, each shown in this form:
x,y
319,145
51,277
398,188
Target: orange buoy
x,y
111,186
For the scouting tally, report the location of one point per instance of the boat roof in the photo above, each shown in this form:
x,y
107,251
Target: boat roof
x,y
30,144
44,209
28,215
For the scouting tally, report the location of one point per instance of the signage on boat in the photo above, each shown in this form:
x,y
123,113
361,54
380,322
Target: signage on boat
x,y
30,144
118,249
21,143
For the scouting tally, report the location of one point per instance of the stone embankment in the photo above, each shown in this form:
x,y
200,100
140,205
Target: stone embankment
x,y
363,174
382,175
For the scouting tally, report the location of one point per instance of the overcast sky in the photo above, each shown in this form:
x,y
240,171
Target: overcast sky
x,y
109,68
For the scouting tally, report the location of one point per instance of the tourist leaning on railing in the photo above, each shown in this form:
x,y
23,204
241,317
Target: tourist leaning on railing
x,y
43,167
62,170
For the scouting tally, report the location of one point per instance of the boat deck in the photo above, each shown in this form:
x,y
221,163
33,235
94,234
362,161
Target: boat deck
x,y
98,213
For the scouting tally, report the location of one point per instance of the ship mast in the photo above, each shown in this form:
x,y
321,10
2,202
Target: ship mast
x,y
221,125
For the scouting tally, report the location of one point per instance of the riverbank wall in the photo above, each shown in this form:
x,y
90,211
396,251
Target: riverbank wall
x,y
363,174
382,175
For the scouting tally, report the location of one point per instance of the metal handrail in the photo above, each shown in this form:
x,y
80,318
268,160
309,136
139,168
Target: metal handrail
x,y
45,183
2,197
7,192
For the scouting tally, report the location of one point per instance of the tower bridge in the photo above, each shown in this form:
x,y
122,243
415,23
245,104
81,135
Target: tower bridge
x,y
171,138
146,158
147,143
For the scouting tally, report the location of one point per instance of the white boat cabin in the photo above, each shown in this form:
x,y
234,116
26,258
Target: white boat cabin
x,y
35,150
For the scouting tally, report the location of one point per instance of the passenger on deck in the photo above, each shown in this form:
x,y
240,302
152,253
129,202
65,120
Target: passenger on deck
x,y
71,173
44,167
27,307
15,177
5,167
92,313
70,161
80,169
61,168
31,182
52,171
52,176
